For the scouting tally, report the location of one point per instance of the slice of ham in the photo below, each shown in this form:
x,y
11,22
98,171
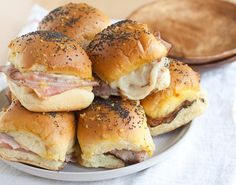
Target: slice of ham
x,y
4,145
9,142
166,44
43,84
6,140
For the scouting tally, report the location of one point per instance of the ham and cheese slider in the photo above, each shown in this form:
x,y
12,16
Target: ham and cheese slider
x,y
129,61
41,139
49,72
76,20
177,105
113,133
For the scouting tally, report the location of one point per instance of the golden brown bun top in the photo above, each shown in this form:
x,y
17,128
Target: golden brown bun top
x,y
113,121
185,83
182,77
55,130
50,52
122,48
76,20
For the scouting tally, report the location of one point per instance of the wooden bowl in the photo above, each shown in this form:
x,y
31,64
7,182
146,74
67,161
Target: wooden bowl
x,y
201,31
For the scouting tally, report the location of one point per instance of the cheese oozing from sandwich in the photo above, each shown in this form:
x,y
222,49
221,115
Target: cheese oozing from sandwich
x,y
141,82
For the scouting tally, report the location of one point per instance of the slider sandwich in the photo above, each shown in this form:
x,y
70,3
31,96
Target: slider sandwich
x,y
49,72
113,133
129,60
177,105
39,139
76,20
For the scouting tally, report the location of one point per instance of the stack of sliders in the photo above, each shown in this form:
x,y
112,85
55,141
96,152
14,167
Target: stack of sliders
x,y
54,73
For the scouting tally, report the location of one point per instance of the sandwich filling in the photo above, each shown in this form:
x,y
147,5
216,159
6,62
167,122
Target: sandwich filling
x,y
43,84
153,122
8,142
129,156
104,90
141,82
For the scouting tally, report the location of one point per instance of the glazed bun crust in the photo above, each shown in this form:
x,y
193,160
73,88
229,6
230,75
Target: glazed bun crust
x,y
50,52
185,85
49,135
76,20
122,48
112,124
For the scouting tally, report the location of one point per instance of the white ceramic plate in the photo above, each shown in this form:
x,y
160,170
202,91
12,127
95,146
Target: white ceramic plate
x,y
165,145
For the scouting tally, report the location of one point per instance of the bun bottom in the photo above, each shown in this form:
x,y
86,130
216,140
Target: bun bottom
x,y
183,117
30,158
102,160
97,161
71,100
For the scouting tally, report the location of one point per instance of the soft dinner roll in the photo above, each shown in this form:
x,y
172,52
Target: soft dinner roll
x,y
76,20
177,105
113,133
40,139
128,58
47,69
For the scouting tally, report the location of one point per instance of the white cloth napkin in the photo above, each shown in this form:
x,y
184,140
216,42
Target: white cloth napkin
x,y
208,155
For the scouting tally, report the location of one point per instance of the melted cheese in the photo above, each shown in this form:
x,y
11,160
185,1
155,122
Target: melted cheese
x,y
141,82
169,104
